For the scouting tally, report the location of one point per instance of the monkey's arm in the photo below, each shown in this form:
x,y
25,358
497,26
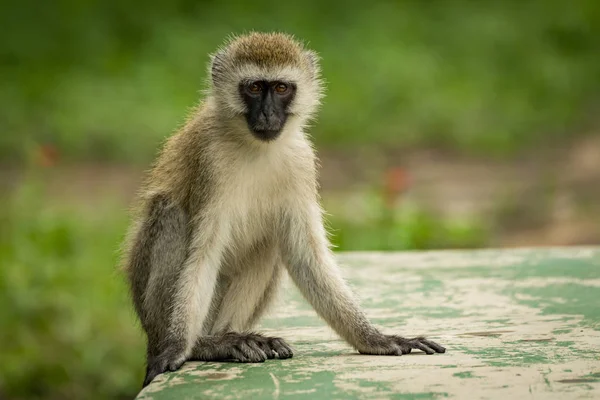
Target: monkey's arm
x,y
312,267
172,275
154,264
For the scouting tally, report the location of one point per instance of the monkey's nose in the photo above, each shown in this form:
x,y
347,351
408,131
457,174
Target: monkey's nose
x,y
264,117
269,116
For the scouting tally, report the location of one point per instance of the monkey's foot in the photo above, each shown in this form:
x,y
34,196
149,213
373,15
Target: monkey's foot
x,y
394,345
254,347
241,347
167,361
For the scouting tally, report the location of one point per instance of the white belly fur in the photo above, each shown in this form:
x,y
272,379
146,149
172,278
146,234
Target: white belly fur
x,y
251,197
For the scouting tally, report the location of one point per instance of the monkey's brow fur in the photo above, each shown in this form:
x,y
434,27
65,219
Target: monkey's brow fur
x,y
268,50
221,215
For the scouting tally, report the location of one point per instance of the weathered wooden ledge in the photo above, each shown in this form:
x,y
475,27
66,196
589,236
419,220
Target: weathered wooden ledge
x,y
517,324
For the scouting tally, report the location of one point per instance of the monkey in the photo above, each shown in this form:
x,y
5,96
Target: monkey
x,y
229,206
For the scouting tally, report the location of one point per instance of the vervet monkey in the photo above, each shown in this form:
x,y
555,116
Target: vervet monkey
x,y
232,203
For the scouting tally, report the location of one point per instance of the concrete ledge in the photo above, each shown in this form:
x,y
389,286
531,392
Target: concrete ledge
x,y
517,324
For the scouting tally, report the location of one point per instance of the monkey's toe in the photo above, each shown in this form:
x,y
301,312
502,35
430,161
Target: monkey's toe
x,y
266,348
282,349
249,352
238,355
258,354
273,347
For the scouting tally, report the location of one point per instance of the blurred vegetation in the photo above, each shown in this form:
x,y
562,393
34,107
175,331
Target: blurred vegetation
x,y
108,79
404,226
67,329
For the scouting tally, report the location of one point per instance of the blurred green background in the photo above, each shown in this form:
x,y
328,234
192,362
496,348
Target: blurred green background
x,y
447,124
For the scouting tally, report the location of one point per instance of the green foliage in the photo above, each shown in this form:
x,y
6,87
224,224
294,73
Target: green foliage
x,y
110,79
68,331
405,227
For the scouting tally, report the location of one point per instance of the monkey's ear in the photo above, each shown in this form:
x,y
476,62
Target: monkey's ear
x,y
217,65
313,60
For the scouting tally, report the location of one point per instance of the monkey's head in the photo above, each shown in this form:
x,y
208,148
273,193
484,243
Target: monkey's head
x,y
266,79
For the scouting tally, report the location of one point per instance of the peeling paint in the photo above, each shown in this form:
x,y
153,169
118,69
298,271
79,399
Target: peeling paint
x,y
517,323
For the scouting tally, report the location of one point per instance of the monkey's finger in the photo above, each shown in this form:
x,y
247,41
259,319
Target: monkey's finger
x,y
436,347
284,344
259,355
267,349
237,354
151,373
421,346
282,349
399,350
251,352
175,365
149,378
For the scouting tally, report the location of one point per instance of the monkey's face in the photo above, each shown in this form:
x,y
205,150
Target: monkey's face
x,y
267,104
267,81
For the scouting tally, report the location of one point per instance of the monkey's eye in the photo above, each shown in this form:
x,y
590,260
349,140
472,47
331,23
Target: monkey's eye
x,y
254,87
281,88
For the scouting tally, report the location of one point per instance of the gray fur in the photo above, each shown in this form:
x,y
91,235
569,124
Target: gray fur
x,y
241,347
160,248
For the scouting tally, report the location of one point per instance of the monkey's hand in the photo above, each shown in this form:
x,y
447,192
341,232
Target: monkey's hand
x,y
168,360
242,347
393,345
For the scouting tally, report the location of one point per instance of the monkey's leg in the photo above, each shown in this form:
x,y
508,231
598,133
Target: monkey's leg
x,y
223,345
223,283
250,293
268,297
312,267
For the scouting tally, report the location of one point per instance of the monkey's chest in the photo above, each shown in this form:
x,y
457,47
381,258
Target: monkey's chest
x,y
253,194
249,214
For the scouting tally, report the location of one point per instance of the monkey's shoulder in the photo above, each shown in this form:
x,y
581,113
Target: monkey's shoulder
x,y
180,169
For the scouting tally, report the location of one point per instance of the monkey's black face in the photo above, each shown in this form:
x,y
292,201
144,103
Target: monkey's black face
x,y
267,103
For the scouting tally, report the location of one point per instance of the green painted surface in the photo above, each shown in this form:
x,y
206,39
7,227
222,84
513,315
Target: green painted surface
x,y
516,323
